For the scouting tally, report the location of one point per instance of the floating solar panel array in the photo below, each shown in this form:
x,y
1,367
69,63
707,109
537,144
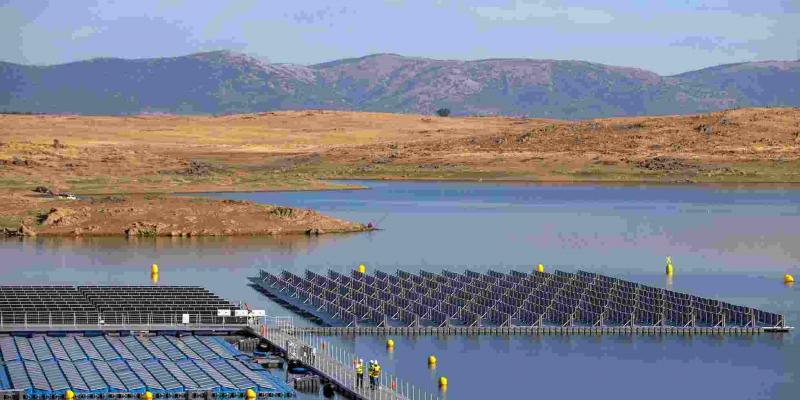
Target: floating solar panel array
x,y
500,299
111,366
25,305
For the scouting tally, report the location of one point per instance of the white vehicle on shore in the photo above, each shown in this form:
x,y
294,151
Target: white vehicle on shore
x,y
66,196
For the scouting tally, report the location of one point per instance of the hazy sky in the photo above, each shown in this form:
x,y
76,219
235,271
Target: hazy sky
x,y
665,36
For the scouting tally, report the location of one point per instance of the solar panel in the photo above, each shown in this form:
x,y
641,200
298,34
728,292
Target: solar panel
x,y
500,298
201,379
125,374
73,376
259,378
144,375
40,348
19,378
182,377
168,348
214,374
104,348
58,305
135,347
57,348
184,348
90,375
72,348
232,374
88,348
152,348
122,350
108,375
198,347
8,348
36,374
25,349
164,378
54,375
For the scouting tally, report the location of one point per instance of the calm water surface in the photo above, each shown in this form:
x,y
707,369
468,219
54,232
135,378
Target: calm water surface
x,y
728,243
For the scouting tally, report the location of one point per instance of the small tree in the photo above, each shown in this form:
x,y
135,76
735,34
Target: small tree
x,y
443,112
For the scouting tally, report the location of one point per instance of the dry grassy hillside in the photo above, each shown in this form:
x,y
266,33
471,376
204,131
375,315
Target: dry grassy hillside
x,y
298,150
292,150
748,145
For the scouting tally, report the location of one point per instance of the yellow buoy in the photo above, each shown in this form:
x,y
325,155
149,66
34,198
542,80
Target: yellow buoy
x,y
390,343
147,396
788,279
668,269
249,394
443,382
154,278
362,269
540,268
69,395
154,269
431,360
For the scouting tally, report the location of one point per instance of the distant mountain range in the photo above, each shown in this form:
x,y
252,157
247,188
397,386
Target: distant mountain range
x,y
226,82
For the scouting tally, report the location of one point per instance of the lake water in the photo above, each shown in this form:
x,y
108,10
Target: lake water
x,y
733,244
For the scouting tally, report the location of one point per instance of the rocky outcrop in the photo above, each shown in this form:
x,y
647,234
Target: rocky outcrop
x,y
315,232
59,216
146,229
23,230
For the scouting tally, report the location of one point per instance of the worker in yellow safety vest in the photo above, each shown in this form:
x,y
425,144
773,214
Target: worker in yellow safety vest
x,y
360,373
370,373
374,375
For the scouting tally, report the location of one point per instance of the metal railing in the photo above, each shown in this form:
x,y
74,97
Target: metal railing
x,y
337,363
111,320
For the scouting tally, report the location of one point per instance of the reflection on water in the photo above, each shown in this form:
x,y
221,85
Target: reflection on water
x,y
734,244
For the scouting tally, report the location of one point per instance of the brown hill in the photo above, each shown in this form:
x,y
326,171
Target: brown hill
x,y
293,150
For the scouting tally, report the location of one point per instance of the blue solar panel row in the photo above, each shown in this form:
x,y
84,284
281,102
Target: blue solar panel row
x,y
168,348
25,349
57,348
41,349
221,371
8,348
121,349
165,379
54,376
89,374
88,348
73,376
19,378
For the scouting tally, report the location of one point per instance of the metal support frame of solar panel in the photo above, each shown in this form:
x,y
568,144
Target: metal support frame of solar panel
x,y
501,299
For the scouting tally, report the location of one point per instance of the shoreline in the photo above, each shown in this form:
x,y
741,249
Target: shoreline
x,y
564,182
